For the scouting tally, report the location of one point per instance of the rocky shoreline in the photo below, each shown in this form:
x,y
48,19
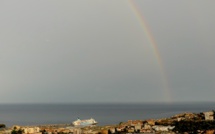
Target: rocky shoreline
x,y
185,123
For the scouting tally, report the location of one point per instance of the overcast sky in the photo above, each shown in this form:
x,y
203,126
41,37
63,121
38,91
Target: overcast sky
x,y
97,51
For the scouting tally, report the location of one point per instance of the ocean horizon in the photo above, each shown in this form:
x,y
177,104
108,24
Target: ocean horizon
x,y
104,113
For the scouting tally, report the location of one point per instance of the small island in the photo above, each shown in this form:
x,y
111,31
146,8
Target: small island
x,y
184,123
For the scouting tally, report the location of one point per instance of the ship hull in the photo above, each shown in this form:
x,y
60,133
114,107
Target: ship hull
x,y
84,122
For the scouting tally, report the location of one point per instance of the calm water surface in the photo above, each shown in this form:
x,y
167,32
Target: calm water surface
x,y
34,114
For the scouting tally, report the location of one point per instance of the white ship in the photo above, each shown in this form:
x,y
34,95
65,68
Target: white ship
x,y
79,122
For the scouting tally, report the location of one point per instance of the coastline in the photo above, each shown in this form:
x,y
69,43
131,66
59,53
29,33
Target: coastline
x,y
105,114
181,123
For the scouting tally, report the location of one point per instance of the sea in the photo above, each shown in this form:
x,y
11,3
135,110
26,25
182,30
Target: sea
x,y
105,114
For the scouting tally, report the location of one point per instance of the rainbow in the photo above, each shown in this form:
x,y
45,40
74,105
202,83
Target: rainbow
x,y
153,44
